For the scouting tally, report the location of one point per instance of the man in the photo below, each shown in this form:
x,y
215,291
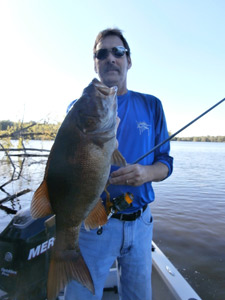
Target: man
x,y
127,236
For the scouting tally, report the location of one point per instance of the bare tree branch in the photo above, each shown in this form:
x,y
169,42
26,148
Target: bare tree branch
x,y
14,168
9,198
17,132
8,210
24,149
29,155
6,135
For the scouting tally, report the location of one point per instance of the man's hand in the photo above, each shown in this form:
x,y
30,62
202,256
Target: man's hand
x,y
137,174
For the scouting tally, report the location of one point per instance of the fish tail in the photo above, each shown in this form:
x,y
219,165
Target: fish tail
x,y
61,272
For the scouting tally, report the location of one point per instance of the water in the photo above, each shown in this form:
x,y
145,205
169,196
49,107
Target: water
x,y
189,216
31,177
189,219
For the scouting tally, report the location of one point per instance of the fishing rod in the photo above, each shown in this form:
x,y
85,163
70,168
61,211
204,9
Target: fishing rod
x,y
173,135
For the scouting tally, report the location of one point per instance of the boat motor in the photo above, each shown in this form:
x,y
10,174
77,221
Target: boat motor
x,y
24,257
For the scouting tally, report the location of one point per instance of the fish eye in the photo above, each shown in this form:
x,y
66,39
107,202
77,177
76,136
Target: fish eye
x,y
89,122
86,122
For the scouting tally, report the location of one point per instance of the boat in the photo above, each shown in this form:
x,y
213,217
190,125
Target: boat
x,y
25,246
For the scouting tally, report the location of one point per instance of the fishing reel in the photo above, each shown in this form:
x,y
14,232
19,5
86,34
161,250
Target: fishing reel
x,y
118,204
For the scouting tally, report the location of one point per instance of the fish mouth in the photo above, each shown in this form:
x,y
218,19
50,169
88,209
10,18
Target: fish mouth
x,y
103,89
100,118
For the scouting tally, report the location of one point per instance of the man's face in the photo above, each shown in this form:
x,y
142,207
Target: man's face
x,y
112,71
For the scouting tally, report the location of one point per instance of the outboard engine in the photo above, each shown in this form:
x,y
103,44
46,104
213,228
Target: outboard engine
x,y
24,257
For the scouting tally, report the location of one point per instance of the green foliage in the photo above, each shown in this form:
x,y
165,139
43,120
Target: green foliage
x,y
27,131
215,139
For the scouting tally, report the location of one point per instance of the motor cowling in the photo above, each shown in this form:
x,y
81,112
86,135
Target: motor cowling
x,y
24,256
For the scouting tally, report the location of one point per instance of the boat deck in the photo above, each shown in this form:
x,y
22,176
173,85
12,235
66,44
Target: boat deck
x,y
167,282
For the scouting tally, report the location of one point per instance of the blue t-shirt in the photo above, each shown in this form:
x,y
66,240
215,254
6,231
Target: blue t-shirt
x,y
142,126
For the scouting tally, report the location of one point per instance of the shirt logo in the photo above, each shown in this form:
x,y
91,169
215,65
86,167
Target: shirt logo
x,y
142,126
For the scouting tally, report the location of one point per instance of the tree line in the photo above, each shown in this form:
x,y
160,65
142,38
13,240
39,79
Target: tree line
x,y
28,130
208,138
47,131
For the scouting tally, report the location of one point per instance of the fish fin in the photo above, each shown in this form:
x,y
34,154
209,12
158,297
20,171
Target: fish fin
x,y
40,204
61,272
97,217
108,203
118,159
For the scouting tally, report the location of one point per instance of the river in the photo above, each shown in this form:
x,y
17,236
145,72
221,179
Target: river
x,y
189,211
189,215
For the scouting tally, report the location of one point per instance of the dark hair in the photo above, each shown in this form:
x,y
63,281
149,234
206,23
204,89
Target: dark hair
x,y
111,31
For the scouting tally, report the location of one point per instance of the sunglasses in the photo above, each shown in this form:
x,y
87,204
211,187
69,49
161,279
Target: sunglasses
x,y
117,52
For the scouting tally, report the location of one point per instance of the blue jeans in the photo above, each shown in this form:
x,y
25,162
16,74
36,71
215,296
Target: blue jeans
x,y
127,241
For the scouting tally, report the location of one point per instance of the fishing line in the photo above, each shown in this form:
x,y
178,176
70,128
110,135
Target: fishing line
x,y
173,135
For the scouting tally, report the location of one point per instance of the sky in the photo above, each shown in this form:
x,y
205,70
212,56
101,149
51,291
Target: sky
x,y
177,51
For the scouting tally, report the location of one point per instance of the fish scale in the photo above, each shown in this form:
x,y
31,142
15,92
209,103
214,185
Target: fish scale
x,y
76,174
